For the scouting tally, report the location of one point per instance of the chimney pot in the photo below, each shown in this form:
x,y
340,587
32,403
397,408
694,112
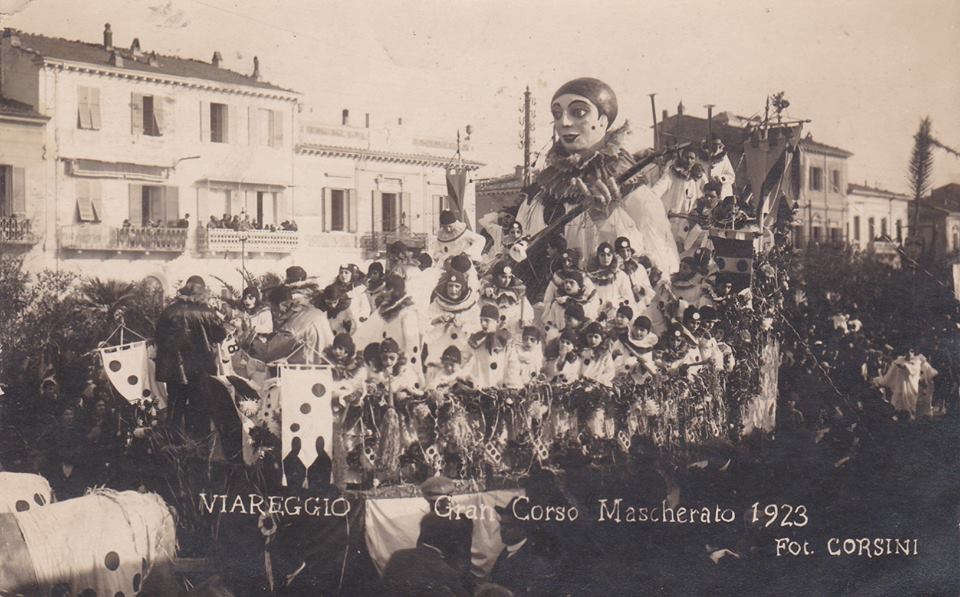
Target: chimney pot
x,y
11,34
154,59
400,121
107,37
115,58
135,48
345,117
217,59
256,69
366,120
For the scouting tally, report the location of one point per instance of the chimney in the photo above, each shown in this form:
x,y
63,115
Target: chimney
x,y
11,34
115,58
107,37
256,69
154,60
366,120
345,117
135,48
217,60
400,121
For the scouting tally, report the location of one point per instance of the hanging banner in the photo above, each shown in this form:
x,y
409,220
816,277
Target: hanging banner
x,y
20,492
457,188
132,373
306,412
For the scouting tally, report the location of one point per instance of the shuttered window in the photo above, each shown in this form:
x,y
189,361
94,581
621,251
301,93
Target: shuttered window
x,y
339,210
13,198
148,114
89,201
88,108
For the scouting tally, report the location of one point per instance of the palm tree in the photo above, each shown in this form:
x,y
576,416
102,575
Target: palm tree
x,y
921,167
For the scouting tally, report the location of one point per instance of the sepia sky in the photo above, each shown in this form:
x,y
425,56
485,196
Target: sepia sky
x,y
864,72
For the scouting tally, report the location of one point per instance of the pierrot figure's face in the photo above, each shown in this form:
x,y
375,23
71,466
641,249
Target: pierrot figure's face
x,y
249,301
390,359
605,259
449,366
566,345
578,123
570,286
530,342
623,321
487,324
594,340
571,322
640,332
454,289
346,276
339,352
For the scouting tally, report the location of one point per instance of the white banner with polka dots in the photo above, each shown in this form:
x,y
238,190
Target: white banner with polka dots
x,y
20,492
305,407
132,373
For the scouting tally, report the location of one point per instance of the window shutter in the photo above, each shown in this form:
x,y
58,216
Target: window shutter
x,y
96,199
160,114
83,108
251,125
406,211
136,113
19,191
327,220
204,121
93,104
171,204
136,205
277,129
229,124
377,211
352,207
84,205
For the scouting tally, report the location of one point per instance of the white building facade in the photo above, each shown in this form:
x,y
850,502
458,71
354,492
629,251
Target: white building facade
x,y
140,150
874,213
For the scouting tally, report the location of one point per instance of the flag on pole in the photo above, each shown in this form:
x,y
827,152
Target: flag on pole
x,y
132,373
457,188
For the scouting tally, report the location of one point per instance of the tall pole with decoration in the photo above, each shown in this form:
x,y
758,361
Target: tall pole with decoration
x,y
526,134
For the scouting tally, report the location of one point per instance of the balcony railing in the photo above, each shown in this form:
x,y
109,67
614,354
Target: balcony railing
x,y
16,231
225,240
110,238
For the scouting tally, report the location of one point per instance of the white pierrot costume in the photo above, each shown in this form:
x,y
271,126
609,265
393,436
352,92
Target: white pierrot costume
x,y
553,315
613,285
396,317
523,365
516,312
489,358
449,321
459,239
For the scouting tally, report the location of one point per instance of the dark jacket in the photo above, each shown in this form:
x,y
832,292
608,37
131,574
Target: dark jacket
x,y
420,572
188,333
532,570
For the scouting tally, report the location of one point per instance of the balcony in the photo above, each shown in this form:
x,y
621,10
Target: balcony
x,y
225,240
16,231
129,238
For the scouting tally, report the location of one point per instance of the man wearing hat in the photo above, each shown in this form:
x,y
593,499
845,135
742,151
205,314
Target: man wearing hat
x,y
438,491
453,238
581,171
304,334
188,335
426,568
530,561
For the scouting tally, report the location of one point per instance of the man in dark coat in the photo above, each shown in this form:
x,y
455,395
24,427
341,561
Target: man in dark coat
x,y
459,530
424,570
530,561
188,336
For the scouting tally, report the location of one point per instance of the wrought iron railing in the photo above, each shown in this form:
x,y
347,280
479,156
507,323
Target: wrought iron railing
x,y
16,231
97,237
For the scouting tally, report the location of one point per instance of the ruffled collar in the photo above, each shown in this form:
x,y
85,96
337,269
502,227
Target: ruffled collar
x,y
610,159
448,237
511,294
604,275
389,309
466,302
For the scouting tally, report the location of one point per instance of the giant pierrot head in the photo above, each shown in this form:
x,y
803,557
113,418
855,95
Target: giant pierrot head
x,y
583,109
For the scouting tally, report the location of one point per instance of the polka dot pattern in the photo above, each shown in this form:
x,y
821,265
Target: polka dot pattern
x,y
295,427
114,366
133,380
39,499
111,560
318,390
22,506
305,408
